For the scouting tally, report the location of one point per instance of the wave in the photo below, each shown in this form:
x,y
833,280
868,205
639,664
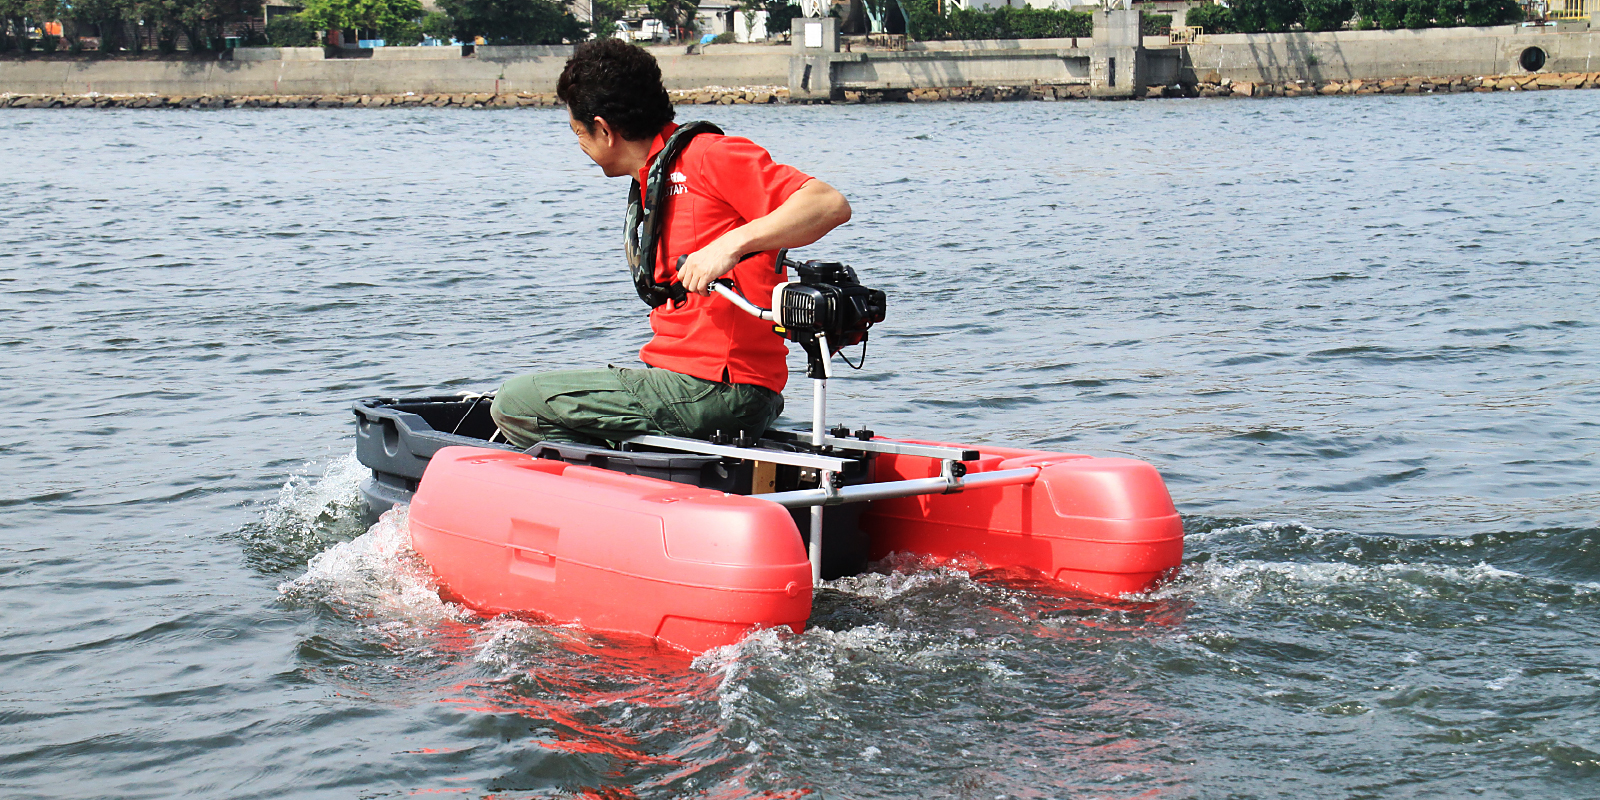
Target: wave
x,y
307,516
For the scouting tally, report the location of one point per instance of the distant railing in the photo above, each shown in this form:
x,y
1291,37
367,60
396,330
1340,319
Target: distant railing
x,y
1190,34
887,41
1574,9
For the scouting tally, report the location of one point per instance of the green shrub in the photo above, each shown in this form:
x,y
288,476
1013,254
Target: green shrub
x,y
514,22
1366,12
1154,24
167,42
1266,16
726,37
381,16
1327,15
1016,23
926,24
1389,14
1418,14
290,30
780,13
1211,18
48,43
1480,13
437,25
401,34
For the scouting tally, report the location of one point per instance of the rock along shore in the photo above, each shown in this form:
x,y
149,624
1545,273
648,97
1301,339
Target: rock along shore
x,y
767,95
761,95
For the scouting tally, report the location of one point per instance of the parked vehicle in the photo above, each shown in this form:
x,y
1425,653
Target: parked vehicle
x,y
642,30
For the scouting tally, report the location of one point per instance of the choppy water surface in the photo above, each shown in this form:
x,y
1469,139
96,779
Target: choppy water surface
x,y
1358,336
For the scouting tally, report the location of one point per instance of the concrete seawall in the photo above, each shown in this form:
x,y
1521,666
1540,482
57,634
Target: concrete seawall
x,y
426,70
1380,55
1105,66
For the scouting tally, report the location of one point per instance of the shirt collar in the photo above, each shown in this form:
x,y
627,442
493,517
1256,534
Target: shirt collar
x,y
655,149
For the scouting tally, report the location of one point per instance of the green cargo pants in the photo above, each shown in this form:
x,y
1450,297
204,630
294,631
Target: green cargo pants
x,y
598,406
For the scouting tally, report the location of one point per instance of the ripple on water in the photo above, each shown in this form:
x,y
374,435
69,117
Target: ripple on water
x,y
1362,370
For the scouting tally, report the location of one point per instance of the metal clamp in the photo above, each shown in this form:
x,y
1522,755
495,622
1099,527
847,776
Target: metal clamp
x,y
952,472
829,483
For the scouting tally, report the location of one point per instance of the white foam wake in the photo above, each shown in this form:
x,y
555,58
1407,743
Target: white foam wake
x,y
305,507
375,575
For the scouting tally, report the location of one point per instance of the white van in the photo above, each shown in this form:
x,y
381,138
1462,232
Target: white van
x,y
644,30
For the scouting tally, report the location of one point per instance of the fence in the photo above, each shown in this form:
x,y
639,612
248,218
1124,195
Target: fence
x,y
1191,34
1571,9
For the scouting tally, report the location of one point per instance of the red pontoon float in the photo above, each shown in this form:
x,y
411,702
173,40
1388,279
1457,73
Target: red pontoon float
x,y
696,543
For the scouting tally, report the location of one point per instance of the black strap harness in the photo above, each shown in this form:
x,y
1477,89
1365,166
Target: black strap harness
x,y
645,218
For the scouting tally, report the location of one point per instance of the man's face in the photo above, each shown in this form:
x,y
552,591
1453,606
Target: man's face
x,y
600,145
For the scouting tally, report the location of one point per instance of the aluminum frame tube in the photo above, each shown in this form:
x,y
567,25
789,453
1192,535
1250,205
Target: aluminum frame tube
x,y
819,431
817,498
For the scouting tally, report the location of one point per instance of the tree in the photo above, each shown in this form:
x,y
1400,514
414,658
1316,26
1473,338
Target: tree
x,y
291,30
1327,15
1266,16
607,13
780,15
1213,18
1492,12
438,25
514,22
204,22
13,12
383,16
107,15
677,14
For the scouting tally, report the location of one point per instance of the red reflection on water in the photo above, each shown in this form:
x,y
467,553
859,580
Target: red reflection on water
x,y
624,699
639,720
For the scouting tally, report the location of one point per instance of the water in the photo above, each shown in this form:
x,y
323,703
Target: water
x,y
1357,335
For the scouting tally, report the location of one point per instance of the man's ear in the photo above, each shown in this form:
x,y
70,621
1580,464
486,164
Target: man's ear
x,y
603,131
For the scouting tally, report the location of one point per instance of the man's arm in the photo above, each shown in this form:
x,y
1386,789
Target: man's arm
x,y
813,210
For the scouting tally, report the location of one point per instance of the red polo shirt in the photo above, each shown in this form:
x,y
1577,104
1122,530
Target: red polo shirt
x,y
718,184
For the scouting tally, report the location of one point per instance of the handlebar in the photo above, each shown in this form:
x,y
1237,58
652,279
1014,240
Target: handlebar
x,y
724,287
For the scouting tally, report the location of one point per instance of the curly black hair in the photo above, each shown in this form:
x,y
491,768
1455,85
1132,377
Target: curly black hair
x,y
620,82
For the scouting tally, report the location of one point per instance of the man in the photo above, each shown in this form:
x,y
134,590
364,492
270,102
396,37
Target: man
x,y
712,367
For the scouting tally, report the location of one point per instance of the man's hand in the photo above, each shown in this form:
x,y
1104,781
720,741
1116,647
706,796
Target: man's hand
x,y
813,210
709,263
